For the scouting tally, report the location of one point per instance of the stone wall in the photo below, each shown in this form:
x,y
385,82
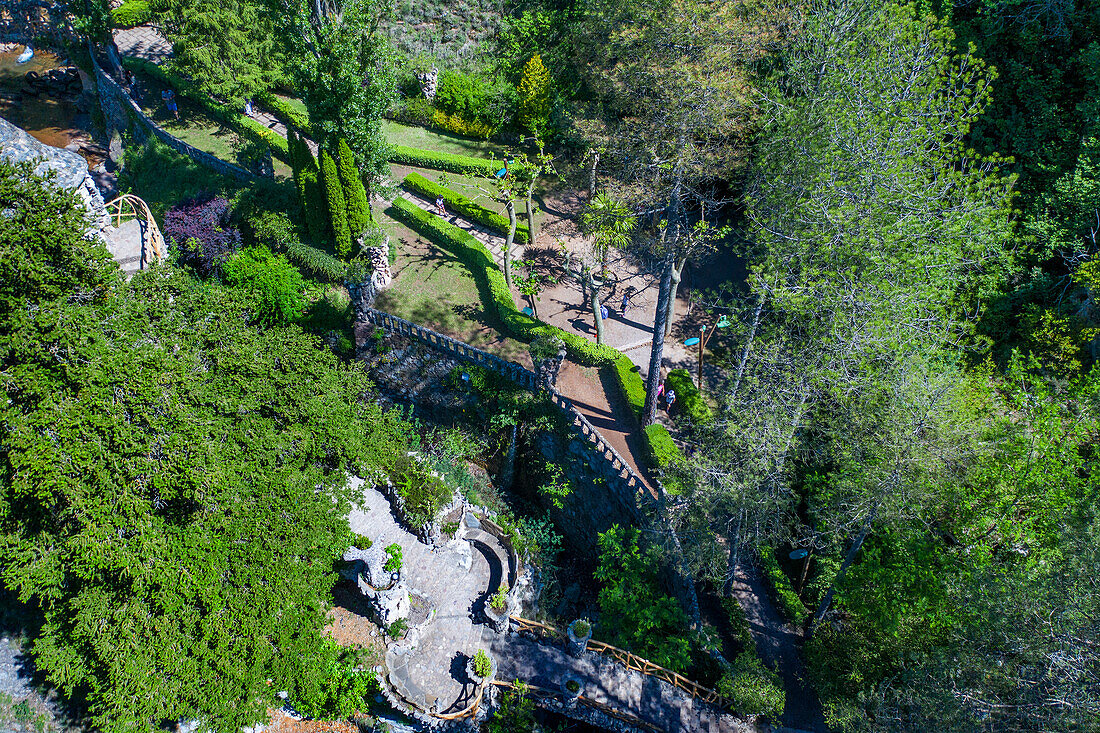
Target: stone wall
x,y
123,115
70,171
26,21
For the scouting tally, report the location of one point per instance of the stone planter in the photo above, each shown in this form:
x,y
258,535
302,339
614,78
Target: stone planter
x,y
497,619
578,643
571,688
478,679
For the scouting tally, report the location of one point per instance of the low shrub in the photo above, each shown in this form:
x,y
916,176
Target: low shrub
x,y
393,558
751,688
461,94
287,113
460,204
660,448
424,494
452,162
257,131
397,629
132,13
500,599
414,111
273,228
461,126
483,666
199,231
581,628
275,281
316,263
688,399
739,623
780,588
346,689
631,385
495,294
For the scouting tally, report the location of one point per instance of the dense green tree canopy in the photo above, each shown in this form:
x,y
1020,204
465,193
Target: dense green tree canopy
x,y
173,486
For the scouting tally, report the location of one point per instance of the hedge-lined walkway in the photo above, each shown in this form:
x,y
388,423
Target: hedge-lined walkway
x,y
492,241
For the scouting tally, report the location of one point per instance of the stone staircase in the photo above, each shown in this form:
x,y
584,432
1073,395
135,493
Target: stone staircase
x,y
126,243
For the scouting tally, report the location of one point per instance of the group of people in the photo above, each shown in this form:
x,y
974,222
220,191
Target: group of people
x,y
668,394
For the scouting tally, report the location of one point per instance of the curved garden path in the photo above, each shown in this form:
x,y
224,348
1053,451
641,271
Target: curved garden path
x,y
428,668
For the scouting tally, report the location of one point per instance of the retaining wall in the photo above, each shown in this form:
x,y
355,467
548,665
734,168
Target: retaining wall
x,y
124,115
27,21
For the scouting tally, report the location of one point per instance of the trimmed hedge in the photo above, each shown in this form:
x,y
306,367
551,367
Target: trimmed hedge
x,y
688,398
629,378
288,115
463,164
132,13
494,291
660,448
457,202
780,588
316,263
235,120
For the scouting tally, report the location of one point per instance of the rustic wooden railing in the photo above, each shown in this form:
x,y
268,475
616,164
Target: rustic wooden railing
x,y
541,693
525,378
128,206
630,661
468,712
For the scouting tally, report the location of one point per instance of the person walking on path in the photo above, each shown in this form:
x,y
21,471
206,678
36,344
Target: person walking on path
x,y
660,390
440,208
169,98
670,400
626,302
248,107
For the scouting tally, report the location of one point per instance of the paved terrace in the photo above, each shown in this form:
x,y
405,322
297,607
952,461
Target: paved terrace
x,y
429,667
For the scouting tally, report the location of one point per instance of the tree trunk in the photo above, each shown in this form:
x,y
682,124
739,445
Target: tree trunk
x,y
594,160
748,346
656,353
677,271
507,253
594,302
734,540
827,600
530,213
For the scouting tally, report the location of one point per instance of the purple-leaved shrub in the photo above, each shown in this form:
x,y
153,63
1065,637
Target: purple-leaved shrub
x,y
198,229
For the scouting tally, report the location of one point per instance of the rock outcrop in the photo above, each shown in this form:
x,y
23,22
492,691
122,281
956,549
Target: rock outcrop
x,y
69,169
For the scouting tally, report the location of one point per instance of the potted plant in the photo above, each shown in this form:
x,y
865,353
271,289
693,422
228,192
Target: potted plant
x,y
481,668
496,608
571,688
579,633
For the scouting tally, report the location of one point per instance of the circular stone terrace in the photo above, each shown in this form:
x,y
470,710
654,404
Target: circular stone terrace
x,y
428,667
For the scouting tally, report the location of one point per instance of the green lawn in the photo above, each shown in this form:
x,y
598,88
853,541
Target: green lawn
x,y
199,130
434,289
473,188
420,137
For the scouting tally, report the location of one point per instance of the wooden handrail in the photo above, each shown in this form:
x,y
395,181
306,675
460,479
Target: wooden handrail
x,y
138,209
544,693
632,661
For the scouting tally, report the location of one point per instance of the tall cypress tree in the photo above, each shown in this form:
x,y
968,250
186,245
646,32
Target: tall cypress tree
x,y
355,195
337,207
307,177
